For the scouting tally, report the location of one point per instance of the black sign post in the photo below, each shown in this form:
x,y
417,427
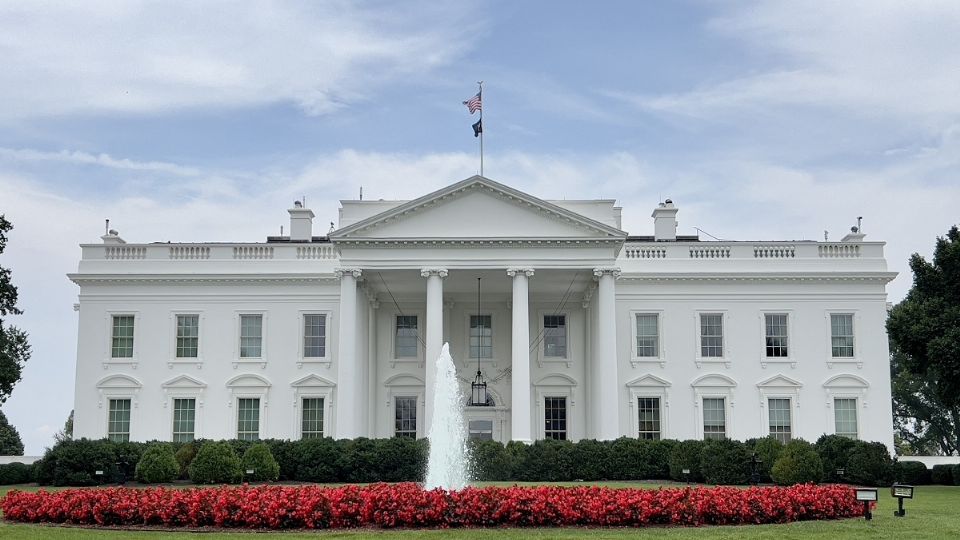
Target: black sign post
x,y
901,492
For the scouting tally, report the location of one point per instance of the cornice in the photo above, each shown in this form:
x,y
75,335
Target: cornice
x,y
882,277
477,242
108,279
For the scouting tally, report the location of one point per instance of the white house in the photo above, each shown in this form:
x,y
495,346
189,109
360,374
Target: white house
x,y
582,331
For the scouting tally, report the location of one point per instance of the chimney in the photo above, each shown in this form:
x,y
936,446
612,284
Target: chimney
x,y
665,222
301,223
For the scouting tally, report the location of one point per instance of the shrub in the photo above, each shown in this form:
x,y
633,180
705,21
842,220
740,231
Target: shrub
x,y
157,465
184,457
640,459
127,455
942,475
359,461
686,455
283,452
316,460
768,450
725,462
258,459
16,473
400,459
798,463
869,464
955,473
545,461
490,461
590,460
216,463
913,473
834,450
75,463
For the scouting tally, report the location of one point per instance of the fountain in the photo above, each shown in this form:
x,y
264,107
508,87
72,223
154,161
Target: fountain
x,y
448,464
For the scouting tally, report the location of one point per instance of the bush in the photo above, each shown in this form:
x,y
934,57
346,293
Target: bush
x,y
316,460
16,473
258,459
490,461
127,455
955,473
544,461
869,464
834,450
942,475
216,463
157,465
686,455
768,450
184,457
401,459
590,460
75,463
913,473
798,463
283,452
640,459
725,462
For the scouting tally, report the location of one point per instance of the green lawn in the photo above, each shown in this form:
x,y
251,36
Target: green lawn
x,y
934,513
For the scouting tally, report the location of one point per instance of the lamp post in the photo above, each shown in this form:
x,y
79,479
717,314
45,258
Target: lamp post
x,y
755,463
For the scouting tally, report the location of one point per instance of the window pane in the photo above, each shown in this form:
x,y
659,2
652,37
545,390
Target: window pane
x,y
555,417
122,339
841,335
248,419
314,336
555,336
251,336
776,335
405,417
711,335
648,335
778,410
188,336
481,430
184,419
649,415
312,420
481,336
406,337
714,418
118,420
845,415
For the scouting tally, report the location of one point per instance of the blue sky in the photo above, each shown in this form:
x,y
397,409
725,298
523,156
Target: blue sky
x,y
181,120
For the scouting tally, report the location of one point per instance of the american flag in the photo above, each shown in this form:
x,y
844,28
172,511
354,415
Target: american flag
x,y
474,103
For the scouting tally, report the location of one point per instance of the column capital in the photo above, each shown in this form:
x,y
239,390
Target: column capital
x,y
600,271
340,272
513,272
427,272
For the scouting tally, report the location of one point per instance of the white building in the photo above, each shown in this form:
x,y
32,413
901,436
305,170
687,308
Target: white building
x,y
583,331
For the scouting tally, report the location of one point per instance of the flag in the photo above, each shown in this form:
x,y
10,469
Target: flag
x,y
478,128
474,104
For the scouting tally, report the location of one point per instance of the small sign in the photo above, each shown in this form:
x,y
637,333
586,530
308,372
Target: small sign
x,y
249,471
865,494
902,491
686,471
98,473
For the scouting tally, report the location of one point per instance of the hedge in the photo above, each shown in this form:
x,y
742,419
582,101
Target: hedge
x,y
260,461
157,465
798,463
216,463
16,473
942,475
913,473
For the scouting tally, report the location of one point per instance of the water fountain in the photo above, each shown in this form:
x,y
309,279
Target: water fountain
x,y
448,464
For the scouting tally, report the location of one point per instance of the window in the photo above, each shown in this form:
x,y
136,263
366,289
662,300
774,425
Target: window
x,y
406,337
118,420
184,419
555,417
649,415
248,419
776,335
778,410
314,336
555,336
648,335
481,336
311,424
251,336
711,335
122,340
714,418
188,336
406,417
841,335
481,430
845,415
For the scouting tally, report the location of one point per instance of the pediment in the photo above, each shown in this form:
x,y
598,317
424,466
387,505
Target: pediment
x,y
403,380
248,380
714,380
119,381
846,381
556,379
312,381
184,381
779,381
477,208
648,380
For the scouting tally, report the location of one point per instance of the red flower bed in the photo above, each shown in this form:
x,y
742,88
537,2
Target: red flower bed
x,y
407,505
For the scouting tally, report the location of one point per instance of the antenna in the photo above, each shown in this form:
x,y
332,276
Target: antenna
x,y
708,234
361,193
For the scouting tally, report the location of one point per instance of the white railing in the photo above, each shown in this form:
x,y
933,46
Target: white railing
x,y
124,252
253,252
709,252
189,252
839,251
774,252
209,252
644,252
785,251
316,252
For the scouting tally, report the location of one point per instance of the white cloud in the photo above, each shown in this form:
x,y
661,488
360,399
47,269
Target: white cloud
x,y
104,160
133,56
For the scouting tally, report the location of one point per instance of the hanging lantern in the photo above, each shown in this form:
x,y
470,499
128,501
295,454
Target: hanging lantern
x,y
478,389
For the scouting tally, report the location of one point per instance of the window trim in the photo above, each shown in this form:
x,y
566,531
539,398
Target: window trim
x,y
264,341
791,357
421,322
468,353
661,357
792,407
647,386
857,358
566,413
325,432
699,359
261,405
780,387
857,409
132,360
726,415
197,404
846,386
404,385
201,327
129,420
418,426
556,385
249,385
119,386
313,386
715,385
542,357
184,387
301,336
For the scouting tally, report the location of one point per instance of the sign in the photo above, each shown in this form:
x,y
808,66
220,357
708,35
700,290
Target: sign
x,y
901,491
98,473
249,471
866,494
686,471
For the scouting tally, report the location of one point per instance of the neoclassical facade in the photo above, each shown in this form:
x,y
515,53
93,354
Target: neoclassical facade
x,y
579,329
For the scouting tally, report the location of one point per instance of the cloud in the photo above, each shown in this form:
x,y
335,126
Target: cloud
x,y
142,57
103,160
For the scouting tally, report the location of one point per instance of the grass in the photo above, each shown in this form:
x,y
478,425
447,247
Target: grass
x,y
931,514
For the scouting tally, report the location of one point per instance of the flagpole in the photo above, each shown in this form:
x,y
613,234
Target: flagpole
x,y
480,93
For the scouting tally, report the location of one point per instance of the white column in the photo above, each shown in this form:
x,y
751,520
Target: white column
x,y
372,363
434,338
350,386
605,410
520,356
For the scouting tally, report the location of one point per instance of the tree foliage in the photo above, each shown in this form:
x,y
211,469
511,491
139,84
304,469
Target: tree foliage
x,y
14,349
10,443
924,332
66,433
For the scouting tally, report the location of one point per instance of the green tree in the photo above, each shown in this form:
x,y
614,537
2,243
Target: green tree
x,y
66,433
10,443
14,349
924,333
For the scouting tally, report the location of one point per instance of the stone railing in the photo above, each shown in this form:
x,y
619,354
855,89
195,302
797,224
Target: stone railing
x,y
208,252
751,250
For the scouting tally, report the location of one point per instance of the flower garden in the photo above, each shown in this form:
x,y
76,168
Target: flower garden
x,y
406,505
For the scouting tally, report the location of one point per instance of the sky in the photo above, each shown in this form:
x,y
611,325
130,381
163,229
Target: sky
x,y
203,121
